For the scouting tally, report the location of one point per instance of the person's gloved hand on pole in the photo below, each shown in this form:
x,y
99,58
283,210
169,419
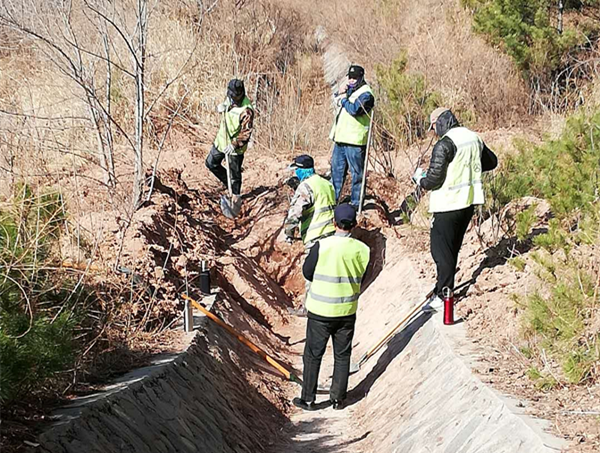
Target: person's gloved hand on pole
x,y
419,174
229,150
221,108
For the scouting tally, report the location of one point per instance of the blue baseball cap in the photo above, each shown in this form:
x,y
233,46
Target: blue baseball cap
x,y
345,215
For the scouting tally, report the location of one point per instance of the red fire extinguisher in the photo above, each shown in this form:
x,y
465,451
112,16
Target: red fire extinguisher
x,y
448,306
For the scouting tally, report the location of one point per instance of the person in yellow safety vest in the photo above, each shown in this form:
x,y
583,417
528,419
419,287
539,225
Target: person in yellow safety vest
x,y
350,132
311,209
336,266
232,138
454,178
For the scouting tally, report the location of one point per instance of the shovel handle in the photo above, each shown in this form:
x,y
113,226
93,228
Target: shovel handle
x,y
262,354
387,336
363,184
229,189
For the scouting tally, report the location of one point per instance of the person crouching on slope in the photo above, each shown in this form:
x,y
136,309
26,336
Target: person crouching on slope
x,y
454,178
335,266
311,209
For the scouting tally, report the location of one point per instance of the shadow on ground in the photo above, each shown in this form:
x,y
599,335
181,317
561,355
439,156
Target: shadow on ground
x,y
396,345
307,442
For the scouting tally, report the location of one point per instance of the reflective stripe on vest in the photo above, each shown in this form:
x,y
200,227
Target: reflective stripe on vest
x,y
317,221
462,187
353,130
335,288
233,126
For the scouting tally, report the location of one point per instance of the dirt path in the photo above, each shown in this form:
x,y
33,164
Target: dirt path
x,y
325,430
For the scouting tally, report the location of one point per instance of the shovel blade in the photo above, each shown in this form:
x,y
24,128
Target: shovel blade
x,y
354,368
231,207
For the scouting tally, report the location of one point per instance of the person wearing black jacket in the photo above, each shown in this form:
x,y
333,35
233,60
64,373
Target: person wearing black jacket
x,y
454,177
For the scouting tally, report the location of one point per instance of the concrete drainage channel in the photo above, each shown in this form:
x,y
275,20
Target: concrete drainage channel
x,y
416,395
197,400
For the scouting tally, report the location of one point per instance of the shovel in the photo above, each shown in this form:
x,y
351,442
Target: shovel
x,y
231,204
367,355
356,366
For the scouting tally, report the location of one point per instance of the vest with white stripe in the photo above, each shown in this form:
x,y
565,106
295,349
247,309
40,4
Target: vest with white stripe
x,y
317,221
335,287
231,126
463,186
352,130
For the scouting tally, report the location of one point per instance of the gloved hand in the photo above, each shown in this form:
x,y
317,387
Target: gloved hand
x,y
338,100
419,174
222,107
229,150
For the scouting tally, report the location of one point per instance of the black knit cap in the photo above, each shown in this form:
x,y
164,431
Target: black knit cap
x,y
356,72
236,90
303,161
345,215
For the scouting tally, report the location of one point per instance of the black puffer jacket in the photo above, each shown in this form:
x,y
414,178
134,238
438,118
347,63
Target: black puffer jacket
x,y
444,151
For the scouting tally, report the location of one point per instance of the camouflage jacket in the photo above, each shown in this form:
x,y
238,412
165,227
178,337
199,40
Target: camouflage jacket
x,y
303,199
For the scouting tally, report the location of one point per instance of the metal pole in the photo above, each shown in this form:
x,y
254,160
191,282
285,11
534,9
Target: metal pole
x,y
363,185
188,317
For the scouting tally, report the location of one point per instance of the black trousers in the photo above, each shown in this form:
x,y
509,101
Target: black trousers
x,y
447,233
214,164
317,335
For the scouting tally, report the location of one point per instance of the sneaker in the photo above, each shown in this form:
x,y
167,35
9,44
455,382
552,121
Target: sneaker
x,y
300,312
433,304
299,402
337,405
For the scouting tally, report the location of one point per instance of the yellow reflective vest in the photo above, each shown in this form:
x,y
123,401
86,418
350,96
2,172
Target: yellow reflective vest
x,y
227,132
338,274
353,130
463,186
317,221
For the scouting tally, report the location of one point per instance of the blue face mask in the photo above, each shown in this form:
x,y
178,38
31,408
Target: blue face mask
x,y
352,85
303,173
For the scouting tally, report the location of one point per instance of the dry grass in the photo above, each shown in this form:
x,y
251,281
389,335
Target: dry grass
x,y
471,76
189,63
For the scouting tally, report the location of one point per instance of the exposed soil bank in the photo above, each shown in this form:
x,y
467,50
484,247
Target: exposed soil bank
x,y
203,399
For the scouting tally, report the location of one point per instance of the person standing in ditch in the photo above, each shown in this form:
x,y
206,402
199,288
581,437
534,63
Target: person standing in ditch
x,y
311,210
335,266
454,178
237,122
350,132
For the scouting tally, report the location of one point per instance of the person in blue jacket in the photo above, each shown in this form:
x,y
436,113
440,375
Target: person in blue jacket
x,y
350,133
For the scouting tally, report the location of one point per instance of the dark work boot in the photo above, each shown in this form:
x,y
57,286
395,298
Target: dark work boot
x,y
337,404
299,402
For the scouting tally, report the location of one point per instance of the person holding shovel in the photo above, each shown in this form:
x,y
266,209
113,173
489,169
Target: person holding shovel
x,y
237,121
311,210
454,178
350,133
335,266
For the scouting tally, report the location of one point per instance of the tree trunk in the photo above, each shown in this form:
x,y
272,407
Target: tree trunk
x,y
140,59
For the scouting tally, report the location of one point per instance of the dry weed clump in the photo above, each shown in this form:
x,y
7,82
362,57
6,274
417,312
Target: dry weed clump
x,y
471,76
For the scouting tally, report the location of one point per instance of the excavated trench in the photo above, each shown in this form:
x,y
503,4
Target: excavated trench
x,y
417,394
